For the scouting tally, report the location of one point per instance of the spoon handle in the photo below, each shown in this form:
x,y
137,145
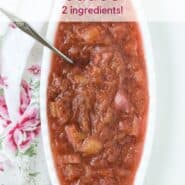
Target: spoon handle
x,y
26,28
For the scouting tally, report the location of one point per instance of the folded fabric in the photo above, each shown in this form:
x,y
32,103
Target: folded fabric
x,y
21,153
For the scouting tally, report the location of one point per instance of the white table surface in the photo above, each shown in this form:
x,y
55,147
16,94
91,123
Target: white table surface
x,y
168,155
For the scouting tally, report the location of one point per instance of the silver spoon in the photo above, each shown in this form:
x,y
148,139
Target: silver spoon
x,y
25,27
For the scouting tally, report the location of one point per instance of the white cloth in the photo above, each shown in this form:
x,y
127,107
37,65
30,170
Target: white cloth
x,y
20,60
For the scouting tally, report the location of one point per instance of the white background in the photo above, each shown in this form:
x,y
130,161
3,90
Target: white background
x,y
168,155
155,10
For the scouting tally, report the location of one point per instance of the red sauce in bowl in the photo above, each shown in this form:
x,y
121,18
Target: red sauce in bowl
x,y
97,107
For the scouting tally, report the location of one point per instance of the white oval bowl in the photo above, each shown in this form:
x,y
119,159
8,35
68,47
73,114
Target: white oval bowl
x,y
45,71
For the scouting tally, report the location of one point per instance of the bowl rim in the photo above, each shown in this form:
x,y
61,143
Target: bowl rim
x,y
45,71
149,62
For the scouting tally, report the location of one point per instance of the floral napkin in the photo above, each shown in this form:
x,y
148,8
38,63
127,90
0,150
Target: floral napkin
x,y
22,160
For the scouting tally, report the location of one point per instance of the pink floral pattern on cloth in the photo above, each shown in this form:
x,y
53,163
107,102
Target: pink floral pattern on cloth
x,y
18,137
4,117
21,136
12,25
25,97
34,69
22,160
3,82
